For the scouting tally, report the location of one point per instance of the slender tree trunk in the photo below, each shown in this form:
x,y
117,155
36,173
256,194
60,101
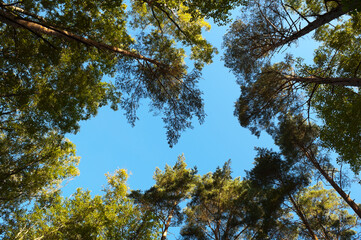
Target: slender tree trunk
x,y
303,218
324,231
338,189
167,224
42,28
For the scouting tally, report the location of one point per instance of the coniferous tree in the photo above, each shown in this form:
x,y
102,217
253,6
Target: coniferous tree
x,y
329,86
172,187
83,216
54,57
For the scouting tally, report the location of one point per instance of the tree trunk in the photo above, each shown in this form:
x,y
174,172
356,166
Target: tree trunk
x,y
167,224
338,189
339,81
303,218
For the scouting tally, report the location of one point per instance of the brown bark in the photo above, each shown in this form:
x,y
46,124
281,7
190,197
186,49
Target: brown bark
x,y
340,81
167,224
41,28
303,218
338,189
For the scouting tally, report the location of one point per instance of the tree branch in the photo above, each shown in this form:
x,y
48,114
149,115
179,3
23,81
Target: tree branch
x,y
320,20
40,28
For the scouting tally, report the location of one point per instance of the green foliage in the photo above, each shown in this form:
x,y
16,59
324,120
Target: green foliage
x,y
111,216
272,179
220,207
54,57
326,214
48,88
264,100
352,5
341,131
329,87
172,187
337,106
30,166
218,10
273,173
294,134
60,81
217,208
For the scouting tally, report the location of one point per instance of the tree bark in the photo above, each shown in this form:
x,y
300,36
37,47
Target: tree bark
x,y
41,28
167,224
340,81
303,218
338,189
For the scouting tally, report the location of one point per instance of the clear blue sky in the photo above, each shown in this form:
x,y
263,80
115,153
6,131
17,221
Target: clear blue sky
x,y
107,141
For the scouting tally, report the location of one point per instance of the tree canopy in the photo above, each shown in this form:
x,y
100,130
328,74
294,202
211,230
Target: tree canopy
x,y
75,44
328,88
60,61
82,216
324,212
219,207
172,186
55,57
28,165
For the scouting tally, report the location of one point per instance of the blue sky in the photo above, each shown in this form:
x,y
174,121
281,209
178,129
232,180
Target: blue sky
x,y
107,142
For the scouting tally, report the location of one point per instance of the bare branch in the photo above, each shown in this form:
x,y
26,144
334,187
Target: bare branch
x,y
299,14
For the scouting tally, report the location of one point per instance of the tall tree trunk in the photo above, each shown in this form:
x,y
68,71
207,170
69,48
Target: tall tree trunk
x,y
339,81
303,218
339,190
